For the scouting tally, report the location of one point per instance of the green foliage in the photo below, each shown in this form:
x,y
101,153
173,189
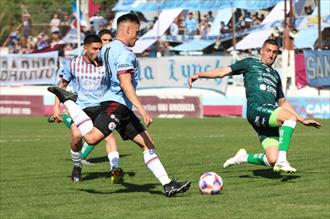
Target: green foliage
x,y
41,12
35,167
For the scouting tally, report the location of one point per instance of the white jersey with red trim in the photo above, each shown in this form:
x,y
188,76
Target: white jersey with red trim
x,y
87,80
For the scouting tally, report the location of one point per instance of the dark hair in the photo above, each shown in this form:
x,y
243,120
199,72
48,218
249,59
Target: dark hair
x,y
270,41
92,38
132,17
104,31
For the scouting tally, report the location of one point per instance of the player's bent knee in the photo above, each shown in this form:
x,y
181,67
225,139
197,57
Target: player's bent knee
x,y
287,115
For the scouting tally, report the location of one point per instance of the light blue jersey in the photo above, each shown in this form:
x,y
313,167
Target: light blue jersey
x,y
87,80
117,59
191,26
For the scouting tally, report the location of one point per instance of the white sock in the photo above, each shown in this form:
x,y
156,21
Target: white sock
x,y
281,156
155,166
79,117
290,123
75,156
113,159
243,159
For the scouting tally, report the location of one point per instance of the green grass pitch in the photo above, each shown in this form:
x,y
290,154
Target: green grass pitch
x,y
35,168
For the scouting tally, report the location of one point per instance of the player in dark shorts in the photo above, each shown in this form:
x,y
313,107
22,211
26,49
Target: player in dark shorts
x,y
86,75
268,111
123,69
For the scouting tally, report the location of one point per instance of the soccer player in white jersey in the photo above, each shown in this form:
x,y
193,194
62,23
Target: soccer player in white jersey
x,y
122,67
87,77
111,144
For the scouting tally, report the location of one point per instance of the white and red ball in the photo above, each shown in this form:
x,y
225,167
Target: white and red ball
x,y
210,183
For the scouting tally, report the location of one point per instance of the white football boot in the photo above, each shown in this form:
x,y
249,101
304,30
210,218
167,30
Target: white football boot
x,y
284,167
240,157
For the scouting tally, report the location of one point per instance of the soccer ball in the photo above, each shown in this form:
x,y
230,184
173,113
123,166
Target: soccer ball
x,y
210,183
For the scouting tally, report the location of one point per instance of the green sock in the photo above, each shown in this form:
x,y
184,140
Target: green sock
x,y
285,138
67,120
256,159
86,150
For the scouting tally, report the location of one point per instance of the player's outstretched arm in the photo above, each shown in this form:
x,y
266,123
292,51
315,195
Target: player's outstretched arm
x,y
284,103
126,85
214,73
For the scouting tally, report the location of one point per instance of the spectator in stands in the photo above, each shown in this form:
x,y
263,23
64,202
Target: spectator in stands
x,y
164,49
31,43
247,20
42,41
55,23
262,17
109,27
98,22
255,20
174,29
209,17
277,35
204,28
55,38
14,38
223,28
191,25
27,24
65,24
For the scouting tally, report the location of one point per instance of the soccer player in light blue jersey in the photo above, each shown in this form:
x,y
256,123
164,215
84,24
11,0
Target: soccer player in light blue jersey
x,y
88,79
123,68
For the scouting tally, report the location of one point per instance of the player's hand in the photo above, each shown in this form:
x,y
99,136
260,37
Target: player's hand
x,y
146,117
57,116
192,79
310,122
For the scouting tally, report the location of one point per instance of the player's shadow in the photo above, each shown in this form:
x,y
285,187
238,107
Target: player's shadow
x,y
270,174
96,175
129,188
104,158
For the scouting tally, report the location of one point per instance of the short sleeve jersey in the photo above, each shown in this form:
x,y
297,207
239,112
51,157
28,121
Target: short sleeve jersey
x,y
119,59
87,80
262,83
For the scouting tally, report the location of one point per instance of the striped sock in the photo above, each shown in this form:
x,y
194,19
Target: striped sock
x,y
75,156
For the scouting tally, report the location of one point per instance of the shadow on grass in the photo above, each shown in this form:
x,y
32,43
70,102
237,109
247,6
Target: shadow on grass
x,y
104,158
96,175
129,188
270,174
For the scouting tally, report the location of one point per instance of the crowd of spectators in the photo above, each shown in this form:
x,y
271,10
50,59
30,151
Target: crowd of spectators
x,y
24,40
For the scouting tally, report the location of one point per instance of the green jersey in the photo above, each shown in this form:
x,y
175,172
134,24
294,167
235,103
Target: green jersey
x,y
262,83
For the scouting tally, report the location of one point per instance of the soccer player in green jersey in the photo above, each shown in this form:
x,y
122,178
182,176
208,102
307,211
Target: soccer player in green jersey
x,y
268,111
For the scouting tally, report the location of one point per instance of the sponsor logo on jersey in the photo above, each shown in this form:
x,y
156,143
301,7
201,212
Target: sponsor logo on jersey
x,y
112,126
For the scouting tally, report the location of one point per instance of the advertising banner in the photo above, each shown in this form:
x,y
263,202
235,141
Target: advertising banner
x,y
28,69
172,107
14,105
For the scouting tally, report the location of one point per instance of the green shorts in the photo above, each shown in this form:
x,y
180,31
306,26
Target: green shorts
x,y
263,119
